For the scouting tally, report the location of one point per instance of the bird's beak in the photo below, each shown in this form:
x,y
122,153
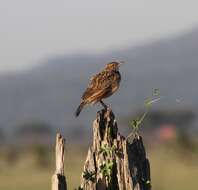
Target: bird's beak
x,y
121,62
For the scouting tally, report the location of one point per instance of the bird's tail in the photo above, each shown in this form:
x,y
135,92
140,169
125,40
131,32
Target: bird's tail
x,y
79,109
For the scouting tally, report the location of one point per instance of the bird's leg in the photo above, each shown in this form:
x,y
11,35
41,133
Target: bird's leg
x,y
104,105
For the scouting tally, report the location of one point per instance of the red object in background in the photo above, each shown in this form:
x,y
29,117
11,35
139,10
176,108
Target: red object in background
x,y
167,132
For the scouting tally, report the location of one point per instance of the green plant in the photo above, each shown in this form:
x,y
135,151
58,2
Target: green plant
x,y
135,123
106,169
89,176
106,150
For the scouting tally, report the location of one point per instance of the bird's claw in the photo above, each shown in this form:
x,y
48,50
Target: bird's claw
x,y
106,107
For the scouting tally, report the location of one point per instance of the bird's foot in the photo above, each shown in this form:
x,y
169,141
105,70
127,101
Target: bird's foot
x,y
103,104
106,107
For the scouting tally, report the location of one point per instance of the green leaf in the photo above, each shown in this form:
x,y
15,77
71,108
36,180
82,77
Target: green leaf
x,y
148,102
156,92
134,123
88,175
106,169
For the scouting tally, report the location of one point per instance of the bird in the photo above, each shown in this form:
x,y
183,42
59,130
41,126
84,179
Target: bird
x,y
101,86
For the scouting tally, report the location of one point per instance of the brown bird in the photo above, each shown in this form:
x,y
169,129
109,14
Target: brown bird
x,y
101,85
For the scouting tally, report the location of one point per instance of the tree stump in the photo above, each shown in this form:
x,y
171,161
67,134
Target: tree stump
x,y
58,179
114,163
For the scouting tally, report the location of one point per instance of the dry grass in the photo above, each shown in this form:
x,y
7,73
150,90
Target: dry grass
x,y
170,170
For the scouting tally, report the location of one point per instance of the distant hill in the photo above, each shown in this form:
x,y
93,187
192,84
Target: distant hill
x,y
51,92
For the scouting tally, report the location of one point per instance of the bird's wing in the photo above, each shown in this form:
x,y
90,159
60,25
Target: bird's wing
x,y
98,84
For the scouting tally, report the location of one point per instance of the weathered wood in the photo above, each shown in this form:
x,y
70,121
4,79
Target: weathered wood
x,y
58,179
114,163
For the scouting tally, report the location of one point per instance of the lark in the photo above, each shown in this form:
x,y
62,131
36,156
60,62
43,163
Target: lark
x,y
101,86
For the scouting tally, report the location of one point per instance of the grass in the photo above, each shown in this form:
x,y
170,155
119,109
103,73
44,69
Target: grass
x,y
170,169
25,173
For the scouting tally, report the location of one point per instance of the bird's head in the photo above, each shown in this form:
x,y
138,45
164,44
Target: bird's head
x,y
113,65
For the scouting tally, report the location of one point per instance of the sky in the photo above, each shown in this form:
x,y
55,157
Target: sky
x,y
34,30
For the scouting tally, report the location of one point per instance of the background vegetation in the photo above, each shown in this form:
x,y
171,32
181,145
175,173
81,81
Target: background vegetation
x,y
173,165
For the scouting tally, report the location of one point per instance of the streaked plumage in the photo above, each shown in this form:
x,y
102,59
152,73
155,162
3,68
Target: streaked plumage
x,y
101,85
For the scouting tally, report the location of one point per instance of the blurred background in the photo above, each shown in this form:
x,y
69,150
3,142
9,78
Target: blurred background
x,y
48,51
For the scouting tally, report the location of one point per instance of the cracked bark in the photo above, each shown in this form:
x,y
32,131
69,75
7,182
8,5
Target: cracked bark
x,y
127,167
58,179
